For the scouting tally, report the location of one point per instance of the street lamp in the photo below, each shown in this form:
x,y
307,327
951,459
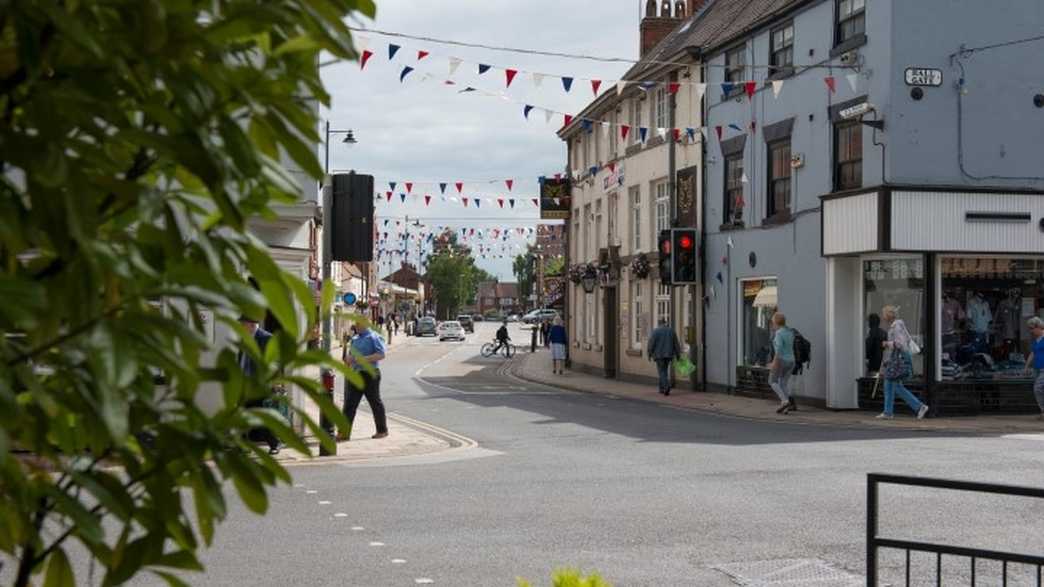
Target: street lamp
x,y
349,139
589,281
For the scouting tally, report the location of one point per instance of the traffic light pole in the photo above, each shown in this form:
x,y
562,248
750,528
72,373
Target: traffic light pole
x,y
672,164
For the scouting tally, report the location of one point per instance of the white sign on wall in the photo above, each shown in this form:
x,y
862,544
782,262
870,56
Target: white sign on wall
x,y
924,76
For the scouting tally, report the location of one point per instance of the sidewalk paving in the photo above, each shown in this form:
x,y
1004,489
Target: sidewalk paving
x,y
536,368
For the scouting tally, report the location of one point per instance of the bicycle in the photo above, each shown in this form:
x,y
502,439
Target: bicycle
x,y
507,348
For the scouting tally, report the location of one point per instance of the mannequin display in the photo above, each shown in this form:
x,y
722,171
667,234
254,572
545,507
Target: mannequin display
x,y
1008,321
951,313
979,314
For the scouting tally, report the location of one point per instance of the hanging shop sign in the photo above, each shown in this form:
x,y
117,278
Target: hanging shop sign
x,y
555,199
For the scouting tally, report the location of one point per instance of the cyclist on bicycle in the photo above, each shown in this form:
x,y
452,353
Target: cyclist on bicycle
x,y
502,337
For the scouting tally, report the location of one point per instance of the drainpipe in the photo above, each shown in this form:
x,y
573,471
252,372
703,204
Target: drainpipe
x,y
703,237
567,316
672,164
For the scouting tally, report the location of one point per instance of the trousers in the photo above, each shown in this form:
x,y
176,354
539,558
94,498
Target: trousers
x,y
1038,389
372,392
895,387
779,378
663,368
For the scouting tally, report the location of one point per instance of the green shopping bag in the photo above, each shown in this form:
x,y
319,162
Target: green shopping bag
x,y
684,367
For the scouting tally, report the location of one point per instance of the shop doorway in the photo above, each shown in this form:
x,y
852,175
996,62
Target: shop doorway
x,y
612,338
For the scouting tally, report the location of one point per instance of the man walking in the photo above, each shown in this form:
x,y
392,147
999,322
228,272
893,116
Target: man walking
x,y
369,346
249,368
1035,360
664,348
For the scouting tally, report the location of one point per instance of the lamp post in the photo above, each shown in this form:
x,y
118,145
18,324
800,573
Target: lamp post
x,y
326,375
589,281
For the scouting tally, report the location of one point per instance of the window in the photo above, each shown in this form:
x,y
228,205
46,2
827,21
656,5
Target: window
x,y
734,188
636,120
660,107
588,219
663,207
598,226
591,301
663,303
848,156
614,136
595,137
757,307
778,178
586,163
614,202
636,219
897,282
851,19
577,249
985,304
735,64
637,331
782,49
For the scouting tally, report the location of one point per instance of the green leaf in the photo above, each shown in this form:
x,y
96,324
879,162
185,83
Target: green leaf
x,y
59,572
299,43
171,580
281,305
248,485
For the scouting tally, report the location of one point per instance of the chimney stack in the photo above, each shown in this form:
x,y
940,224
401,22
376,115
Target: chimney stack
x,y
657,24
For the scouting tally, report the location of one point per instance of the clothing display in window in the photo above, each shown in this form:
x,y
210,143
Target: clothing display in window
x,y
951,313
1008,321
979,314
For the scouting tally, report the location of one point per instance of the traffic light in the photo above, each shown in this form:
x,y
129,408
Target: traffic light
x,y
664,249
684,259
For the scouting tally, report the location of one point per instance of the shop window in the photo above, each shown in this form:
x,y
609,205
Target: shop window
x,y
848,156
893,282
982,316
759,303
779,178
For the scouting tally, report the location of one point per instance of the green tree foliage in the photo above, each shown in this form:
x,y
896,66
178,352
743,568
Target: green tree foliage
x,y
570,578
455,279
525,272
136,139
554,266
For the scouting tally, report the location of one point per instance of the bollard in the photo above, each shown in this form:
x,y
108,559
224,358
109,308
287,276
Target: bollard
x,y
533,342
327,378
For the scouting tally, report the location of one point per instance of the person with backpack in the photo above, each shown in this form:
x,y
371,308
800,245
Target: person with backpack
x,y
783,362
898,365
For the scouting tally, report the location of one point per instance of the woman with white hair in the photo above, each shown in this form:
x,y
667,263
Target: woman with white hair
x,y
558,339
898,365
1036,360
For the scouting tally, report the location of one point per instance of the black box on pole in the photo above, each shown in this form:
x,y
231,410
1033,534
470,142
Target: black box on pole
x,y
351,219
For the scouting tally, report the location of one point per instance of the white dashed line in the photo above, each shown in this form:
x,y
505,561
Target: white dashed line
x,y
299,485
398,561
340,515
311,492
324,502
357,528
376,544
423,581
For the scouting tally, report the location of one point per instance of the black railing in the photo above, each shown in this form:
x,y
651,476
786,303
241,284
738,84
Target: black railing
x,y
875,542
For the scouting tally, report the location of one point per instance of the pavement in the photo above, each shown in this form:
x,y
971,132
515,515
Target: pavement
x,y
536,368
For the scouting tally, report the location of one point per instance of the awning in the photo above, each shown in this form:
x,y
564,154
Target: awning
x,y
766,298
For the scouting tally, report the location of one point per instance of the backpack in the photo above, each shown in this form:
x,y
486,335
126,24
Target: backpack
x,y
802,352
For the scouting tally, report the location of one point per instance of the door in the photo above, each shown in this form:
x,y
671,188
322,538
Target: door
x,y
611,336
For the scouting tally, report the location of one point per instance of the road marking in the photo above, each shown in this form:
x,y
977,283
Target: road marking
x,y
340,515
376,544
423,581
324,502
299,485
357,528
1039,437
398,561
311,492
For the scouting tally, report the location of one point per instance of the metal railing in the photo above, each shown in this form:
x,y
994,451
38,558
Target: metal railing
x,y
875,542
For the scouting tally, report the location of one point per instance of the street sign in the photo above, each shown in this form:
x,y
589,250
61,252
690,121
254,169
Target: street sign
x,y
854,111
924,76
349,299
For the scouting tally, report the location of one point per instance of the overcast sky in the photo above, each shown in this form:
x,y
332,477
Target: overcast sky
x,y
429,132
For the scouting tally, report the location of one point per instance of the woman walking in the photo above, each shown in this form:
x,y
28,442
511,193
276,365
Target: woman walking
x,y
898,365
782,364
558,338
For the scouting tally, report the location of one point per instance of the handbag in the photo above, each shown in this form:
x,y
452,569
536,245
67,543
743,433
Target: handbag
x,y
915,348
899,366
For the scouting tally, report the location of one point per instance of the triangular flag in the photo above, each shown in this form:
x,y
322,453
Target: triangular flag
x,y
677,135
405,72
366,55
612,167
718,129
594,170
735,127
478,202
587,125
753,126
646,86
465,200
853,81
427,200
620,87
500,201
510,75
643,133
510,183
548,115
483,68
512,202
777,87
740,202
568,119
831,83
454,64
567,83
536,202
422,55
389,196
403,196
673,87
409,187
744,178
692,134
460,187
538,79
595,84
624,129
662,132
700,89
392,184
442,187
526,110
726,88
392,50
750,88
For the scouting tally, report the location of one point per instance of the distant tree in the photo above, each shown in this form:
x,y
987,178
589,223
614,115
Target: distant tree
x,y
136,139
554,266
525,273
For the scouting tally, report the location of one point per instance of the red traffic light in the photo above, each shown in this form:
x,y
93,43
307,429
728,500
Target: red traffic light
x,y
685,242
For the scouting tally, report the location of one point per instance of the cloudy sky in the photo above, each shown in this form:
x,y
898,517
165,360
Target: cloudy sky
x,y
427,132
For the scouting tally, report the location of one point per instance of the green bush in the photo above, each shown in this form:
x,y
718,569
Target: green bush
x,y
570,578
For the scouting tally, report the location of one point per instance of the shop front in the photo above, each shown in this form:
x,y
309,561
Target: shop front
x,y
966,272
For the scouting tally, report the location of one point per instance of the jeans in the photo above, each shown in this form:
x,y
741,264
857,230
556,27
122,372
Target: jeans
x,y
893,387
1038,389
372,392
663,367
779,378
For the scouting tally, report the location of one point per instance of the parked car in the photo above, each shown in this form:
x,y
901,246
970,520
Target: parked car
x,y
477,317
514,318
450,329
425,327
466,323
538,316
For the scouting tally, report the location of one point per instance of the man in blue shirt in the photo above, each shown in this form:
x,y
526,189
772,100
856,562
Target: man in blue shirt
x,y
1036,358
367,346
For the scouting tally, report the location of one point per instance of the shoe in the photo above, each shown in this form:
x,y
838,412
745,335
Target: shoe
x,y
668,392
782,409
793,405
883,416
274,450
380,435
921,413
